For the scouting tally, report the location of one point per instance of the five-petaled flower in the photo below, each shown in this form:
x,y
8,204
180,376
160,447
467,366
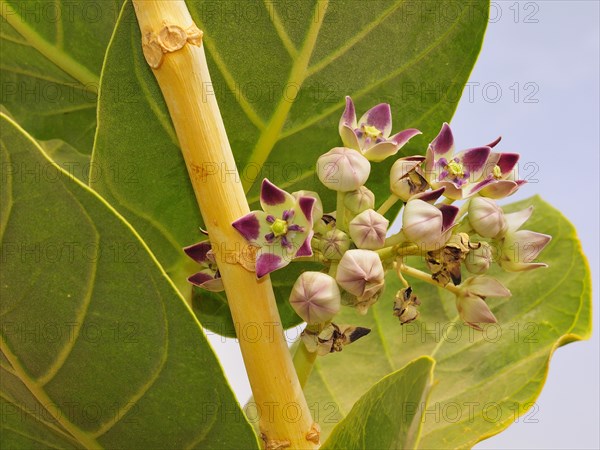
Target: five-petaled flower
x,y
209,277
282,231
502,175
463,174
370,135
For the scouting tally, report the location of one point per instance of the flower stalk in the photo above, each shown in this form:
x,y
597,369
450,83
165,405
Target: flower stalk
x,y
173,48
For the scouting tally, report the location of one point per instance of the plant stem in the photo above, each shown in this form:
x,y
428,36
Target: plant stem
x,y
463,209
420,275
395,239
173,48
340,211
385,207
304,362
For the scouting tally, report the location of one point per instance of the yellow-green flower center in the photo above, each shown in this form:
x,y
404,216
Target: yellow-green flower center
x,y
279,227
371,131
455,169
497,172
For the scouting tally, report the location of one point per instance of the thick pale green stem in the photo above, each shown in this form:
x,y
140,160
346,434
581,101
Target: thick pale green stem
x,y
173,48
420,275
395,239
385,207
340,211
304,362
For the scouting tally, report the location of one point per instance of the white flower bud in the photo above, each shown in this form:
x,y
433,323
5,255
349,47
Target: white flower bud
x,y
478,259
361,274
359,200
334,244
315,297
368,230
343,169
486,217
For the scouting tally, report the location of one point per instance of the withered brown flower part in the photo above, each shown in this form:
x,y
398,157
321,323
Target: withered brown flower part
x,y
333,338
405,305
445,263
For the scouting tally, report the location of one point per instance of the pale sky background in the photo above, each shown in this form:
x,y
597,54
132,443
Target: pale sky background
x,y
560,54
551,50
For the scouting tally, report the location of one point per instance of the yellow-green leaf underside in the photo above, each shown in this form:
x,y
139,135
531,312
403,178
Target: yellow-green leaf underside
x,y
390,414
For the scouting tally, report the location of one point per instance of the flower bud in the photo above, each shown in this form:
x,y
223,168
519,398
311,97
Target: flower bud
x,y
359,200
361,274
406,179
343,169
368,230
427,225
334,244
478,259
315,297
486,217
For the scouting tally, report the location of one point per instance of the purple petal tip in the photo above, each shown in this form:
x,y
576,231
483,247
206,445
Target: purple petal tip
x,y
198,251
248,226
270,194
267,263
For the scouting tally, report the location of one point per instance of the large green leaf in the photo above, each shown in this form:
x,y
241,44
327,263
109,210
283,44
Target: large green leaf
x,y
97,348
483,380
52,53
415,56
390,414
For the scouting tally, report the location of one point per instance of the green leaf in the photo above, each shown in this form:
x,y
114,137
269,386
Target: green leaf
x,y
52,53
483,380
389,415
260,54
97,348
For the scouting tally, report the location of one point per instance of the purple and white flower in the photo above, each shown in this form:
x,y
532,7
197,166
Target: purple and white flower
x,y
209,277
462,174
282,231
502,175
370,135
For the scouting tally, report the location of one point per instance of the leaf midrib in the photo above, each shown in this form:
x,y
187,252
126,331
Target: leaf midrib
x,y
270,135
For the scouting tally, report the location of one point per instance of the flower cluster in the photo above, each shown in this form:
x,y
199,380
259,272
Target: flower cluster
x,y
354,243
